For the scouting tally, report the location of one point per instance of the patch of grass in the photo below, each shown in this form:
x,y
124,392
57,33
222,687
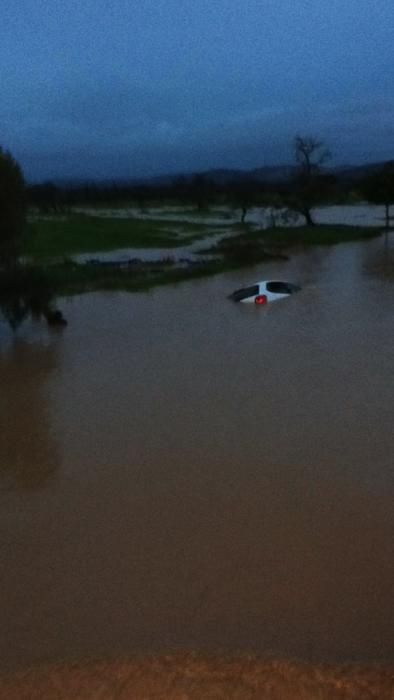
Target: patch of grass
x,y
256,244
316,235
242,250
71,278
62,236
85,233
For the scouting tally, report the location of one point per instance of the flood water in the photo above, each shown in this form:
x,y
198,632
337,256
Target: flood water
x,y
182,472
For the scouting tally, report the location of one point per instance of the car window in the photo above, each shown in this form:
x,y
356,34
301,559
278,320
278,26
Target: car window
x,y
279,288
240,294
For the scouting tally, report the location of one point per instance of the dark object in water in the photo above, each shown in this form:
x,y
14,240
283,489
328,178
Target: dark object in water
x,y
55,318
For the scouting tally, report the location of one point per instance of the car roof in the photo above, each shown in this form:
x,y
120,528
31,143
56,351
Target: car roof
x,y
270,281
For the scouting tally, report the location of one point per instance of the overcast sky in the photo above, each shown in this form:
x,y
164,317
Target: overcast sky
x,y
105,88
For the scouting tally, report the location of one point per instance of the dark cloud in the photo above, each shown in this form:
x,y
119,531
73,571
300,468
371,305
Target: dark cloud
x,y
146,143
136,90
150,142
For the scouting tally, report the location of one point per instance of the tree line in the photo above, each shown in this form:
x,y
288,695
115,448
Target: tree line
x,y
310,185
307,188
24,290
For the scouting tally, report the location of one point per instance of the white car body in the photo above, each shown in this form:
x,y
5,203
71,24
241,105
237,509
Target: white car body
x,y
264,292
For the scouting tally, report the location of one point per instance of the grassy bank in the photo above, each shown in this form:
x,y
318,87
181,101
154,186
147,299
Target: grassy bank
x,y
288,237
323,234
61,236
70,278
195,677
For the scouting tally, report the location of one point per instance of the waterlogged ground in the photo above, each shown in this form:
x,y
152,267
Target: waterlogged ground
x,y
225,218
362,214
179,472
156,233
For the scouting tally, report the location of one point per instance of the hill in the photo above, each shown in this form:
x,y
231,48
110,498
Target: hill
x,y
223,176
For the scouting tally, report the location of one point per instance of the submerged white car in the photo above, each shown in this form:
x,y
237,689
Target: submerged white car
x,y
263,292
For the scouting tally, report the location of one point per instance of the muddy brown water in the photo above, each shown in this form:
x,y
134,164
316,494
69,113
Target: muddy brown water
x,y
182,472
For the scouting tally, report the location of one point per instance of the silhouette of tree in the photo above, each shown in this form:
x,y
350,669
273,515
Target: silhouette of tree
x,y
245,195
24,290
45,197
201,190
12,209
378,188
309,186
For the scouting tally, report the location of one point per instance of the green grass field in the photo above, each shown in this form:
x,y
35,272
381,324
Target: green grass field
x,y
68,279
252,244
62,236
322,234
58,237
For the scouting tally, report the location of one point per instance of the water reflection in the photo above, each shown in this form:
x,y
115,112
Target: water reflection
x,y
380,263
28,450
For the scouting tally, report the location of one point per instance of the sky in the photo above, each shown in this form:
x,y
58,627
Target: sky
x,y
137,88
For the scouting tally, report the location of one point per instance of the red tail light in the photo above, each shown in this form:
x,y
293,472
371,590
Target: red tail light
x,y
260,299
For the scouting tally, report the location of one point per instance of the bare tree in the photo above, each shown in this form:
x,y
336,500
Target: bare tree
x,y
378,188
310,155
310,185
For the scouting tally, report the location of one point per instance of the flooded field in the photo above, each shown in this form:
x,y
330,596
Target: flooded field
x,y
219,222
362,214
181,472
